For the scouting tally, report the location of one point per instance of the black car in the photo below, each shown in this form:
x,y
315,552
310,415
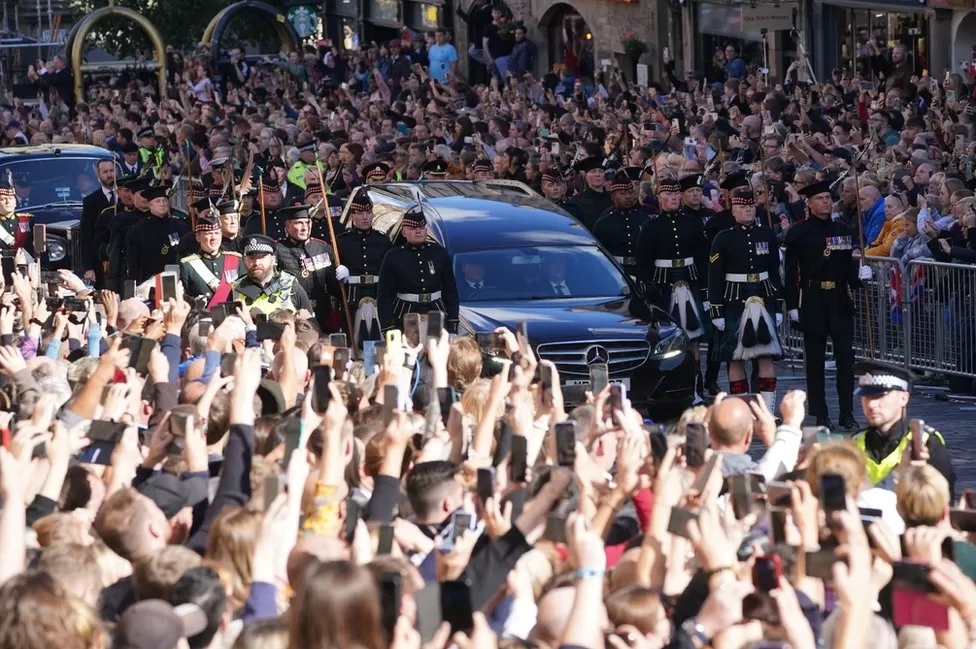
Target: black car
x,y
517,243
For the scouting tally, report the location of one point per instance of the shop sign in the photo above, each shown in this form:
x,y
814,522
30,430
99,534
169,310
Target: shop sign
x,y
304,19
951,4
775,18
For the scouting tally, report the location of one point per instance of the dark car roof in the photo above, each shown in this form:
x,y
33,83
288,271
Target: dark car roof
x,y
68,150
464,215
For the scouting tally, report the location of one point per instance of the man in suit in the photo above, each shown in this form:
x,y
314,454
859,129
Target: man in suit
x,y
472,281
131,166
91,207
554,266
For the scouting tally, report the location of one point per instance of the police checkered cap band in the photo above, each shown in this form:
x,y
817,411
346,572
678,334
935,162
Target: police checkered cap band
x,y
884,381
258,247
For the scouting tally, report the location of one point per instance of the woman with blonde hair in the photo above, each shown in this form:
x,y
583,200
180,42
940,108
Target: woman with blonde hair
x,y
893,228
37,613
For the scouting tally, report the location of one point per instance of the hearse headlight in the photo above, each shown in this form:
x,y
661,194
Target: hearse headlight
x,y
57,249
671,344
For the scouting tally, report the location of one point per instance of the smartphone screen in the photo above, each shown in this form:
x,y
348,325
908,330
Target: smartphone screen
x,y
270,330
678,522
391,398
766,573
227,364
519,464
390,596
446,398
913,608
599,377
168,286
8,266
340,360
963,520
411,329
393,337
172,268
321,395
385,545
338,340
488,341
352,518
779,494
777,527
435,324
40,238
523,331
566,444
140,361
741,489
272,487
833,492
486,484
460,523
820,564
456,608
695,444
702,480
969,498
104,435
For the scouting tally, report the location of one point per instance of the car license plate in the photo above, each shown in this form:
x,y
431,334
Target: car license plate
x,y
586,382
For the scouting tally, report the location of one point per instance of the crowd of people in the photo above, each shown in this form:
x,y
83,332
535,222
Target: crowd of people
x,y
202,447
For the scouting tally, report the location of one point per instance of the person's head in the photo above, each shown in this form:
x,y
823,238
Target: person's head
x,y
923,174
361,211
440,35
463,362
413,226
894,205
669,194
231,544
473,270
75,568
743,206
105,170
730,426
40,614
898,53
639,607
158,202
154,578
595,175
207,234
202,586
230,222
259,258
819,201
553,184
884,390
132,525
555,607
519,33
923,496
838,458
433,491
622,192
338,605
271,633
298,224
554,266
730,53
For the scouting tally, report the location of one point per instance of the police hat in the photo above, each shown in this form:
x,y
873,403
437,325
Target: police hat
x,y
294,213
621,183
589,164
414,216
692,181
228,207
155,192
258,245
206,223
735,179
308,147
482,165
743,196
130,147
376,171
436,167
146,132
878,377
816,188
361,202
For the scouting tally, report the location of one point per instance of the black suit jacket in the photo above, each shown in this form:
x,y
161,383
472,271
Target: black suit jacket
x,y
91,207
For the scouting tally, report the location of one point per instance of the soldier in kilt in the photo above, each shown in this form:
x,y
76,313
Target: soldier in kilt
x,y
743,289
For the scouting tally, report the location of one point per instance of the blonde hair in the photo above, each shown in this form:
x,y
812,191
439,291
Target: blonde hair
x,y
923,495
841,458
231,545
474,401
62,527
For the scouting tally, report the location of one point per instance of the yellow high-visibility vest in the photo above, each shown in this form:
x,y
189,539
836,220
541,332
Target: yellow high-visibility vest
x,y
878,471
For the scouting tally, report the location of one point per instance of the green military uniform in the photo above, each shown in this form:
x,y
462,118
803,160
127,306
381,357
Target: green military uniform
x,y
203,272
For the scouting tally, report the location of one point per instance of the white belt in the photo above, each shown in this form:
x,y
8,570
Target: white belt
x,y
362,279
419,298
743,278
674,263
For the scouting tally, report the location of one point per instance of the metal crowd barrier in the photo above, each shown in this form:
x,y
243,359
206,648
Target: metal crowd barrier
x,y
921,314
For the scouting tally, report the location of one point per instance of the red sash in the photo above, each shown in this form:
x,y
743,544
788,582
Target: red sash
x,y
223,289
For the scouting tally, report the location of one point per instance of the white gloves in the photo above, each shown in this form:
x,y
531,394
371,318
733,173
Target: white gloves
x,y
719,323
779,319
706,305
794,315
865,273
342,273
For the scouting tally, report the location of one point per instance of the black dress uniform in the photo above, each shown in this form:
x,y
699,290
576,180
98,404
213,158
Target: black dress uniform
x,y
588,205
271,192
154,242
118,254
743,290
434,170
281,292
362,252
618,228
672,260
311,262
376,173
883,451
203,272
551,177
417,279
820,275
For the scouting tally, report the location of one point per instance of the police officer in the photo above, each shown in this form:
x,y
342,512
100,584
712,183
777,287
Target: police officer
x,y
554,187
119,228
15,227
306,160
154,242
266,288
482,169
203,273
362,249
884,390
743,290
620,226
377,172
819,266
672,261
436,169
589,204
417,277
311,261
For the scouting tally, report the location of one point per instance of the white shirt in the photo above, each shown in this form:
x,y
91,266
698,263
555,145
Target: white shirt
x,y
560,288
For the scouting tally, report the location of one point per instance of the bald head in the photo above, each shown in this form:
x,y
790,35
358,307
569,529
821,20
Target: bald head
x,y
553,616
131,310
752,125
868,196
731,426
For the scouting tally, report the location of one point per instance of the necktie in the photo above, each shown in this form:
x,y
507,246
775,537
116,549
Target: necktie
x,y
478,285
111,198
561,289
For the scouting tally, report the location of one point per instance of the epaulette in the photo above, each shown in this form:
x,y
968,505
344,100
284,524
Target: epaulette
x,y
190,257
233,253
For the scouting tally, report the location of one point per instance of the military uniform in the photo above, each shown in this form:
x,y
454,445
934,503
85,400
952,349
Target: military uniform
x,y
102,232
15,228
820,275
311,262
153,243
377,172
434,170
618,228
275,225
417,279
281,292
362,251
204,273
883,451
672,260
588,205
553,180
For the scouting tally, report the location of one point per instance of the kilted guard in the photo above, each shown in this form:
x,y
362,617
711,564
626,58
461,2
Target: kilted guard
x,y
417,276
672,260
619,228
15,227
743,289
362,250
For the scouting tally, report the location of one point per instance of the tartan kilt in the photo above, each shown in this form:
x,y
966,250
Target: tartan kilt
x,y
750,332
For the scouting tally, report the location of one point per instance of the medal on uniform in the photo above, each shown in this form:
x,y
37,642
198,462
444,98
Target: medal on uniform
x,y
827,247
762,248
307,266
231,275
165,250
174,239
430,265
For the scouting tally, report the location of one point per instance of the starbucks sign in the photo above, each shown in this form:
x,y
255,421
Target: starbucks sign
x,y
304,19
